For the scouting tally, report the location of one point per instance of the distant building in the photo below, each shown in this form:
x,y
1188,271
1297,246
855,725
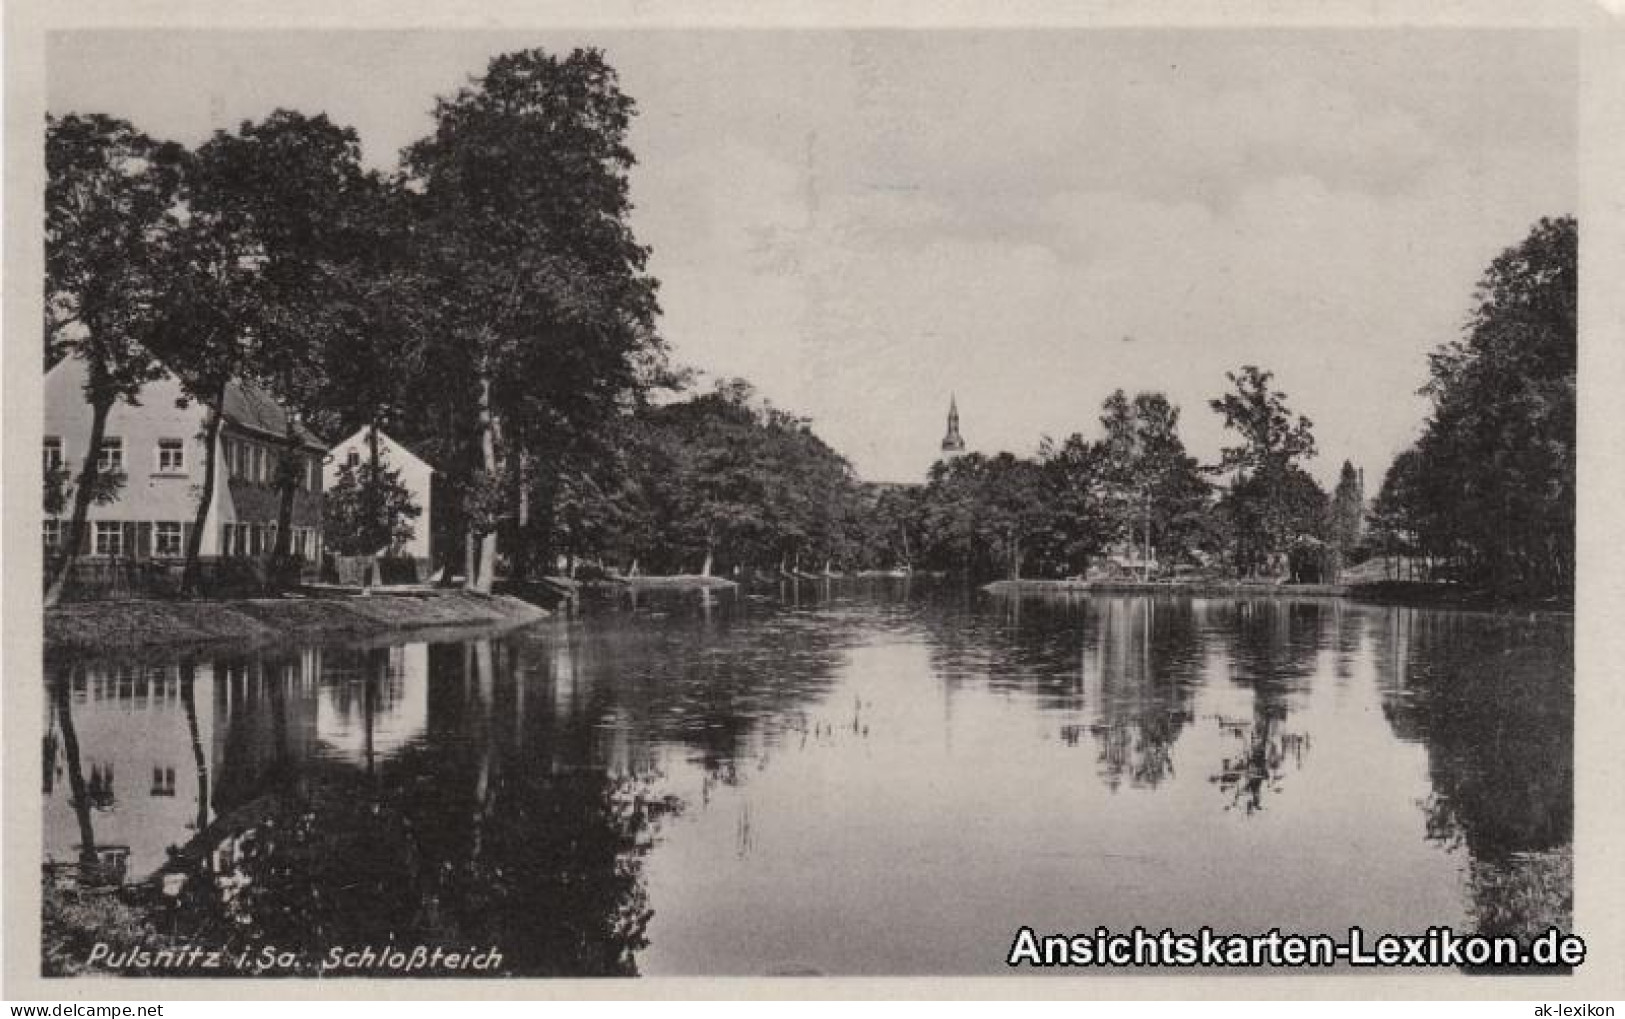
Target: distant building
x,y
157,443
953,444
416,475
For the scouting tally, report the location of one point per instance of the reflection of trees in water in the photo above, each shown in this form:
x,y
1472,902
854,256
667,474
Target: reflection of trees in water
x,y
78,788
1141,666
1492,700
1260,764
1272,645
1030,645
499,826
680,673
1345,623
1130,665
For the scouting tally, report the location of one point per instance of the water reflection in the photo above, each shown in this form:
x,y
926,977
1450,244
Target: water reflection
x,y
731,783
359,797
1492,699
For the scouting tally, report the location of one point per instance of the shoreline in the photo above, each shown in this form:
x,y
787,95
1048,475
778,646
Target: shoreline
x,y
1404,594
80,629
1186,588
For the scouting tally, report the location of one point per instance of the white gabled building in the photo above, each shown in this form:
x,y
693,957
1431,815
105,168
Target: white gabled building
x,y
416,475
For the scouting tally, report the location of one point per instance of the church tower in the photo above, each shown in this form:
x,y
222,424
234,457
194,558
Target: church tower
x,y
953,444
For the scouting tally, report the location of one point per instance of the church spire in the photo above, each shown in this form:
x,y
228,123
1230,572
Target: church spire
x,y
952,443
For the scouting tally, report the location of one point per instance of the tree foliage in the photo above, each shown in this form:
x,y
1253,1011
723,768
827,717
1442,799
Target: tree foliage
x,y
1490,485
369,510
1271,503
723,480
110,194
546,320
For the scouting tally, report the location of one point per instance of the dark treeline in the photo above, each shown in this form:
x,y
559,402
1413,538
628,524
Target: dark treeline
x,y
486,302
1487,493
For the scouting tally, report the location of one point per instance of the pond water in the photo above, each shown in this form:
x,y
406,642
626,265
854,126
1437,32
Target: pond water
x,y
851,777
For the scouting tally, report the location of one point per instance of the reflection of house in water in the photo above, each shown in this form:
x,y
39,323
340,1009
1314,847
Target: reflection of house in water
x,y
149,756
137,764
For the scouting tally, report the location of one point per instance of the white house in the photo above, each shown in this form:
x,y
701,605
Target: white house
x,y
157,443
416,475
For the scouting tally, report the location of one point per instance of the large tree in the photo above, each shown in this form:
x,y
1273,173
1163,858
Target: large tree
x,y
548,315
1345,526
1083,506
1154,489
1263,499
270,210
1497,456
109,214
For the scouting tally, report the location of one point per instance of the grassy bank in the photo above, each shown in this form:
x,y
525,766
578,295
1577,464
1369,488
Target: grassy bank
x,y
94,627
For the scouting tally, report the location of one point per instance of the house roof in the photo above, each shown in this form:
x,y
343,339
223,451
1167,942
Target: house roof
x,y
359,436
249,406
246,406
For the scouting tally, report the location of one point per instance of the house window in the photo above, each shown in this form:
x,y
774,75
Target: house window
x,y
315,475
52,531
109,538
111,458
166,539
255,464
171,456
163,781
354,459
231,458
53,457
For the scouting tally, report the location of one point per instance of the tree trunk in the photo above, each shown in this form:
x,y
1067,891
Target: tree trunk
x,y
1145,555
373,494
194,544
288,478
82,494
62,698
199,761
483,564
521,552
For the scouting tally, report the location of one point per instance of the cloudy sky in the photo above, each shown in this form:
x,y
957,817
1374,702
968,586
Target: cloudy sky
x,y
862,223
